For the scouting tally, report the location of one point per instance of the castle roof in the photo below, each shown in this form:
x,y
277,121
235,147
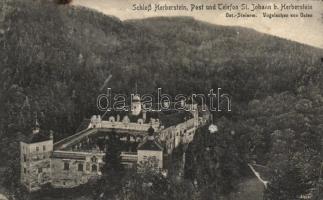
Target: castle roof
x,y
167,118
172,118
84,125
38,137
151,145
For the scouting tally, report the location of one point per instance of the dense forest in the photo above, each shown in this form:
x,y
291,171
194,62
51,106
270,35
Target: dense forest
x,y
55,60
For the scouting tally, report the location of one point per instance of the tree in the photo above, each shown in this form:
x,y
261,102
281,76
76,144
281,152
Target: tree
x,y
113,171
287,184
213,161
149,184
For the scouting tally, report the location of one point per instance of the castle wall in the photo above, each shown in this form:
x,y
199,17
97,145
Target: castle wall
x,y
180,133
39,174
66,169
71,169
128,126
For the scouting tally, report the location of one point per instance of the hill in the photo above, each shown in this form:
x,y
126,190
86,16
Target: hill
x,y
55,59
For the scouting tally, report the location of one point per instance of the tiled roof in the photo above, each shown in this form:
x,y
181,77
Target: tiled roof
x,y
168,118
38,137
151,145
84,125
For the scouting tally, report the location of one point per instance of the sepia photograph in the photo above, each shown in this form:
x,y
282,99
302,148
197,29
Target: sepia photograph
x,y
161,99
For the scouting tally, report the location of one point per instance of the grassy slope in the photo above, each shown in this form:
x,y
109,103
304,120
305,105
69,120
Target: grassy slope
x,y
59,56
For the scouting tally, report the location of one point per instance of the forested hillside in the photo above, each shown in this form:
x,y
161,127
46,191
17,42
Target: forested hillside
x,y
55,59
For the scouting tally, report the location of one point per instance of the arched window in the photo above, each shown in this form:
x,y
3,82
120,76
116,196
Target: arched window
x,y
80,167
94,168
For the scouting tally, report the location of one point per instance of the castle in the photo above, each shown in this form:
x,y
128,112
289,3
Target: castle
x,y
148,137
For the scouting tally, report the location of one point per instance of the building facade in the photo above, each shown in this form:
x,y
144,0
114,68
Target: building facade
x,y
146,136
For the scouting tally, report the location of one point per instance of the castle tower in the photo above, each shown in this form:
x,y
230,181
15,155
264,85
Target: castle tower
x,y
36,128
35,159
136,105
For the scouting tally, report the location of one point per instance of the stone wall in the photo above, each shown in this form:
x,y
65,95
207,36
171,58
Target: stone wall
x,y
153,159
180,133
39,174
35,162
128,126
75,169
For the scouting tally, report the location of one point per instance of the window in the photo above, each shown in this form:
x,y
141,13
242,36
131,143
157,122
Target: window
x,y
40,170
25,170
94,159
80,167
37,148
44,148
25,158
66,166
94,168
